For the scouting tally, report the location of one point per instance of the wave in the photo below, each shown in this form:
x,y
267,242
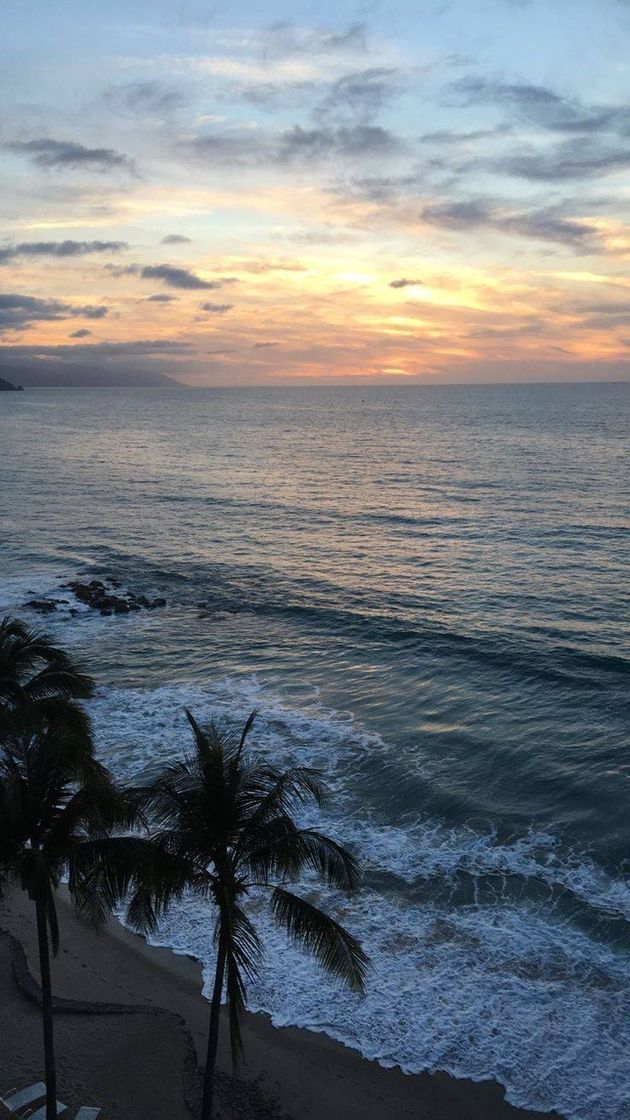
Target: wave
x,y
503,986
536,654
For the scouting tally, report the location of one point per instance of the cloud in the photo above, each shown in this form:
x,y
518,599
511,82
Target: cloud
x,y
67,154
259,267
175,239
161,298
574,159
608,307
143,98
357,142
376,188
264,345
121,349
178,277
19,311
542,106
216,308
59,249
92,312
543,224
255,148
284,38
169,274
228,147
404,283
80,334
455,136
358,97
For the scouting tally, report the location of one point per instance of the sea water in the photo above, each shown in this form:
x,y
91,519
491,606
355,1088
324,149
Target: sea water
x,y
424,593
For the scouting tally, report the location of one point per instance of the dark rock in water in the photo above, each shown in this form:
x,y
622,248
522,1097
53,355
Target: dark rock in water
x,y
44,606
73,611
100,596
82,592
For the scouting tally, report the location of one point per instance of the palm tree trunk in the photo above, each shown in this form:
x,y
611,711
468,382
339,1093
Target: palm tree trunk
x,y
47,1012
213,1034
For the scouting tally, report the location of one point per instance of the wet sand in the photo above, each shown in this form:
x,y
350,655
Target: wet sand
x,y
138,1066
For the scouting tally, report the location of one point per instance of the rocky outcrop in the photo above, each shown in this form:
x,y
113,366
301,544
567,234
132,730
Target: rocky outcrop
x,y
106,598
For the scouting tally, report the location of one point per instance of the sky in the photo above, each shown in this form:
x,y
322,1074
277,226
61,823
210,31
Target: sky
x,y
232,194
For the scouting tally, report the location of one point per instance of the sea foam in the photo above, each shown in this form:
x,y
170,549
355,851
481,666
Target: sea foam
x,y
503,988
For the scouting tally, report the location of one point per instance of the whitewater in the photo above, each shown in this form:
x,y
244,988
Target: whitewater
x,y
423,593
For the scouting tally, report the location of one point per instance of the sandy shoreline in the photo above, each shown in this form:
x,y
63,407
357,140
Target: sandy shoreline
x,y
308,1075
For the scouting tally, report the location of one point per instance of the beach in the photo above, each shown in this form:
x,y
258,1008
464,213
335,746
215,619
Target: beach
x,y
395,594
136,1066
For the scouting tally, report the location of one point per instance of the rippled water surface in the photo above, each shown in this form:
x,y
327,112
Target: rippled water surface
x,y
424,591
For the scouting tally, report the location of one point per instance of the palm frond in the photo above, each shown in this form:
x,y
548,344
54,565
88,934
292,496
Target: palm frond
x,y
332,945
332,862
249,722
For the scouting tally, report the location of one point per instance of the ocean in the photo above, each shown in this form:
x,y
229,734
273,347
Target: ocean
x,y
424,592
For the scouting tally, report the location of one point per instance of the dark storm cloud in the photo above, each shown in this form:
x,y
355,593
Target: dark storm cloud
x,y
169,274
575,159
67,154
216,308
18,311
543,224
541,105
59,249
143,98
175,239
404,283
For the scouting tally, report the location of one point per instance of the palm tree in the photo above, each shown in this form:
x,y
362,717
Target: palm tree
x,y
56,801
223,824
39,682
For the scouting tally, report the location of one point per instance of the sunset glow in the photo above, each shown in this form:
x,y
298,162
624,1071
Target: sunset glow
x,y
369,195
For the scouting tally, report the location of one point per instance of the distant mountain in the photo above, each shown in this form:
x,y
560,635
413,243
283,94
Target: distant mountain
x,y
60,374
6,385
